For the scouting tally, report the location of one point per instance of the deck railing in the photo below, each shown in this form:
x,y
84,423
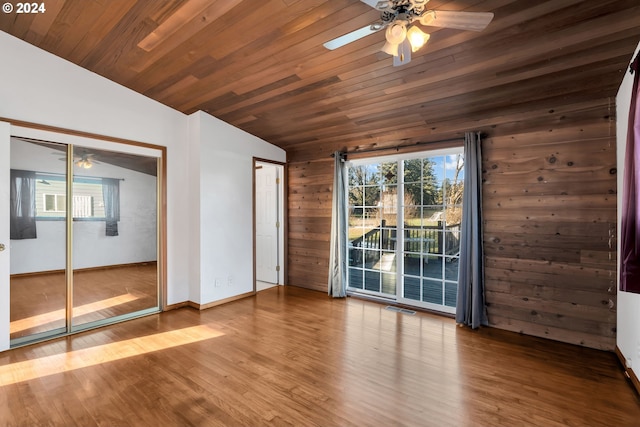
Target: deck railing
x,y
429,239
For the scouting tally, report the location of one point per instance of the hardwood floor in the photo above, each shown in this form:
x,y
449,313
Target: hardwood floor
x,y
261,286
294,357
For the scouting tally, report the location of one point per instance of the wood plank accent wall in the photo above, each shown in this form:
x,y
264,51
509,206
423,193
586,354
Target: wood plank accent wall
x,y
310,193
550,226
549,215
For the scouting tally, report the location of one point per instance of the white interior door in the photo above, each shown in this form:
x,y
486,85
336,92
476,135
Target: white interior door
x,y
267,223
5,132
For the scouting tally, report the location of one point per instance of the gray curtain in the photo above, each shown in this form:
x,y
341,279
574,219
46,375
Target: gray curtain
x,y
471,309
23,205
338,250
111,195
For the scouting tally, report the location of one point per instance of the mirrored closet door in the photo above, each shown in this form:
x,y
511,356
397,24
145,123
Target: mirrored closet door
x,y
114,235
84,236
38,193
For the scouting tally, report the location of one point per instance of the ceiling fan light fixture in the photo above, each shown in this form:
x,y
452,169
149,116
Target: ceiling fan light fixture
x,y
84,164
390,48
417,38
427,18
396,33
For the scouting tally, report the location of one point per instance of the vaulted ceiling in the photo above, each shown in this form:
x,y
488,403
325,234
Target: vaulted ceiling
x,y
261,66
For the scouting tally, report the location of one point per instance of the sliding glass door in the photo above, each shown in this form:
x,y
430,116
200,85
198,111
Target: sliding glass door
x,y
373,195
404,228
84,236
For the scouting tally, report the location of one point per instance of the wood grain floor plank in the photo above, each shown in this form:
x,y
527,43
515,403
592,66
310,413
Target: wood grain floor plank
x,y
293,357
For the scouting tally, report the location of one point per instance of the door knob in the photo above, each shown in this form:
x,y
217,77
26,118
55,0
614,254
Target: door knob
x,y
1,247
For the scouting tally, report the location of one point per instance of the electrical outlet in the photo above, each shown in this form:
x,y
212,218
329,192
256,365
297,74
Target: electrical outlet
x,y
230,281
218,283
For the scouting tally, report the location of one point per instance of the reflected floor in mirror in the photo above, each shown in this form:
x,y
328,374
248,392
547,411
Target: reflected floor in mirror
x,y
38,300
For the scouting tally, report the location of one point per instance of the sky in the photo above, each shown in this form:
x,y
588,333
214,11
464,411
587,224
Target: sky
x,y
444,166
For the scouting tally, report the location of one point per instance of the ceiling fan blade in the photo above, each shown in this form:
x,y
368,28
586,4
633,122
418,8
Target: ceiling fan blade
x,y
380,5
404,54
371,3
349,37
473,21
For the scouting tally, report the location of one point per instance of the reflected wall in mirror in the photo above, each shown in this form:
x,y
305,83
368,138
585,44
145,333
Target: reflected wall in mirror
x,y
38,190
114,234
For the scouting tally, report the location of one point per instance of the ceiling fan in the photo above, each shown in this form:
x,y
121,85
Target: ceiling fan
x,y
403,36
84,161
81,158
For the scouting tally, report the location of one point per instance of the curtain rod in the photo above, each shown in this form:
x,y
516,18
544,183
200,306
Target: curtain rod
x,y
398,147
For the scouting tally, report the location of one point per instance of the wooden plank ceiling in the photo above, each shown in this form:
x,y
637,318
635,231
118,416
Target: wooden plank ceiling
x,y
261,66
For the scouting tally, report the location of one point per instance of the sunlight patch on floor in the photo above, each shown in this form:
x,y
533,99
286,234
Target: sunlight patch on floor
x,y
78,359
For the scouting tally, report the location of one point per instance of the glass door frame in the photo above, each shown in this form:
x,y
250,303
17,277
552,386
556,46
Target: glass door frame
x,y
399,229
72,139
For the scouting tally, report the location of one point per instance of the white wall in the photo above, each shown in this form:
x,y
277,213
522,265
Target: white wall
x,y
226,206
209,162
194,208
41,88
136,241
628,312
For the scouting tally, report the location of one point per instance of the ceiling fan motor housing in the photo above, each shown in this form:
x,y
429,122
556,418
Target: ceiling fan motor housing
x,y
400,11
